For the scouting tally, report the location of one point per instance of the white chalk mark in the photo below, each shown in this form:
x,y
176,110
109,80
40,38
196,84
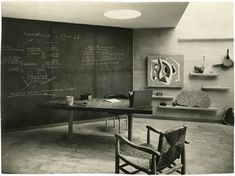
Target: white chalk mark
x,y
25,43
42,83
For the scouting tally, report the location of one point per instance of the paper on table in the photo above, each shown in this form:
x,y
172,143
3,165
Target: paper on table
x,y
113,100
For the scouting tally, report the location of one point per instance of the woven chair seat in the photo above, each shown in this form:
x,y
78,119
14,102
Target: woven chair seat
x,y
142,163
137,157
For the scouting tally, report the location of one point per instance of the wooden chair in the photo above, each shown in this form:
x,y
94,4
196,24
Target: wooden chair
x,y
166,158
116,115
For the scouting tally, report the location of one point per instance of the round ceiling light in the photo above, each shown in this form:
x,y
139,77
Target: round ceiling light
x,y
122,14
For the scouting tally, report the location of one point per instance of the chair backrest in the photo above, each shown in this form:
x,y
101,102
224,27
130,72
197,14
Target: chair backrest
x,y
171,145
121,96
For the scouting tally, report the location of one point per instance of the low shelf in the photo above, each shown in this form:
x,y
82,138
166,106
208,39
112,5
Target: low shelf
x,y
215,88
204,74
205,39
162,97
187,108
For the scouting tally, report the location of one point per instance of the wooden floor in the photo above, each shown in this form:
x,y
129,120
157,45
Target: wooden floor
x,y
36,152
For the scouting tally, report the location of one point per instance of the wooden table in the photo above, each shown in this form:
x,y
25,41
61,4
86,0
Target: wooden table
x,y
97,105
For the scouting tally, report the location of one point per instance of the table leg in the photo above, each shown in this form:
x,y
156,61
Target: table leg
x,y
70,125
130,126
69,139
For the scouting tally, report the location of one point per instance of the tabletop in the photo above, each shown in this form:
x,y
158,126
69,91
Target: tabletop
x,y
97,104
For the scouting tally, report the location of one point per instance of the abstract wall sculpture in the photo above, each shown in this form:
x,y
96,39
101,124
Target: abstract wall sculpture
x,y
165,71
193,99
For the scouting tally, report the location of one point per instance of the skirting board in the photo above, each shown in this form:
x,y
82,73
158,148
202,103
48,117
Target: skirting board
x,y
178,118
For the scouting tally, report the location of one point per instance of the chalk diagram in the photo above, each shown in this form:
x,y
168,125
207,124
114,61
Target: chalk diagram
x,y
37,61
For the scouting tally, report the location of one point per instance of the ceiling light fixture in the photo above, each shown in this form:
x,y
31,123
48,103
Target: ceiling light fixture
x,y
122,14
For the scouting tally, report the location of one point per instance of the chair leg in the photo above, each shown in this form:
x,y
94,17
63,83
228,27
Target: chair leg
x,y
153,167
117,166
113,121
183,169
117,160
119,125
106,123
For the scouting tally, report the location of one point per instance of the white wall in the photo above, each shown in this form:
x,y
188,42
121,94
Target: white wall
x,y
200,21
207,20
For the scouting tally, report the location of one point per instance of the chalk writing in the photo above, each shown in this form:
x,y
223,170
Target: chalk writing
x,y
46,92
13,49
11,60
51,43
30,64
33,51
51,51
37,76
38,34
64,36
14,69
101,55
53,65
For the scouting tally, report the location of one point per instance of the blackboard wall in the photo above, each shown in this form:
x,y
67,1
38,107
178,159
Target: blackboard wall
x,y
42,60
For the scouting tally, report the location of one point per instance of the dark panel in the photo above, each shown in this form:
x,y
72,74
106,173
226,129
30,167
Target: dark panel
x,y
42,60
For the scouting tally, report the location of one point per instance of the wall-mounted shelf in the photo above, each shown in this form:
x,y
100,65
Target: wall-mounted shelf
x,y
204,74
204,39
187,108
162,97
215,88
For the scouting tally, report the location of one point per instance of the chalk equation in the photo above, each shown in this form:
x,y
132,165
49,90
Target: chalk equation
x,y
65,36
101,55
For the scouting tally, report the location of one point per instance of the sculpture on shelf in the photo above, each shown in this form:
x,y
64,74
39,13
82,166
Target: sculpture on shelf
x,y
159,93
228,117
163,104
228,62
165,71
193,99
200,69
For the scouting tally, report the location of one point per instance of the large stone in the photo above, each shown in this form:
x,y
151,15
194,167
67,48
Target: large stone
x,y
193,99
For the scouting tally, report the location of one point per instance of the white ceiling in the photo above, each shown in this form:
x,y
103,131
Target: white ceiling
x,y
154,14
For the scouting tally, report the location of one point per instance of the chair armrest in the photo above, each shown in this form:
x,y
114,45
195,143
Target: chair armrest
x,y
186,142
138,147
152,129
148,132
